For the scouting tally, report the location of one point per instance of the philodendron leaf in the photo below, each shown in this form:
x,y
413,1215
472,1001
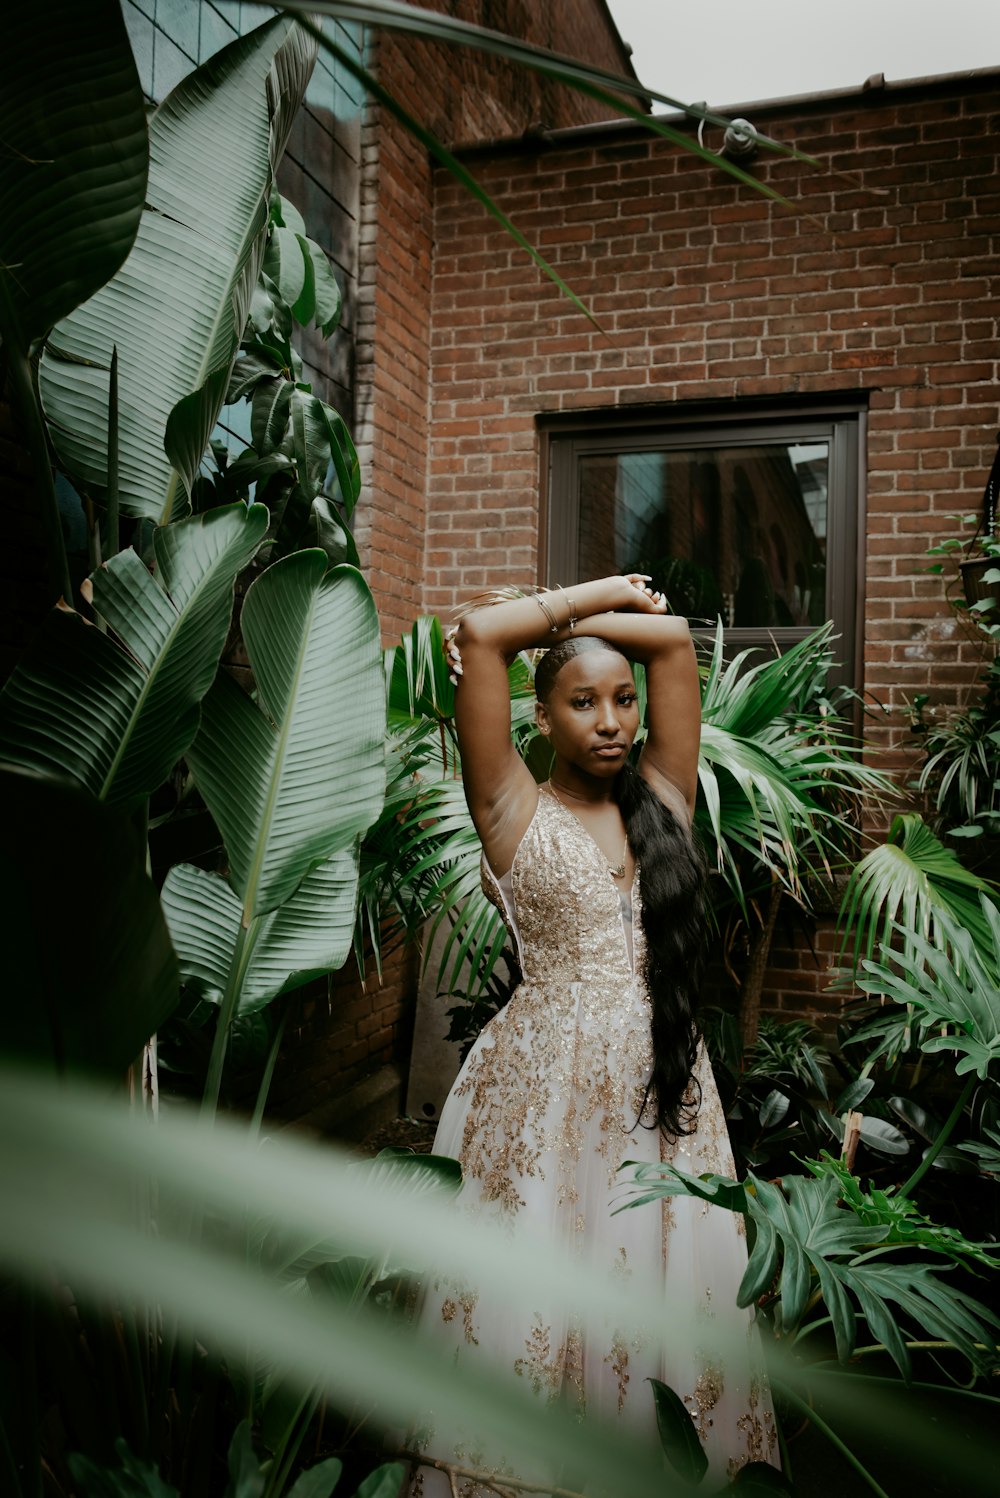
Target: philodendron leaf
x,y
319,438
117,716
310,934
269,410
883,1137
384,1482
773,1109
73,161
319,298
853,1095
89,970
285,262
299,775
246,1480
177,308
319,1481
678,1436
327,532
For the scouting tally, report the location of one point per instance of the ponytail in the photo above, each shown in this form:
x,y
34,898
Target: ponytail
x,y
672,885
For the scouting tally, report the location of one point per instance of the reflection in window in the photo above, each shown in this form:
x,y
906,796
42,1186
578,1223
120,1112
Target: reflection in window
x,y
735,530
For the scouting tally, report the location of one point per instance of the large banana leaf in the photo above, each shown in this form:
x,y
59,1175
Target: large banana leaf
x,y
309,935
297,776
177,308
912,883
72,167
89,973
116,714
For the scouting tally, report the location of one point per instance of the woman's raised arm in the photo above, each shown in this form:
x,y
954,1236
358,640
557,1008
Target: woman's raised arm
x,y
662,644
498,786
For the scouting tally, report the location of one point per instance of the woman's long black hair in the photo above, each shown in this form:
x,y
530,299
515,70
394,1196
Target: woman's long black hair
x,y
672,877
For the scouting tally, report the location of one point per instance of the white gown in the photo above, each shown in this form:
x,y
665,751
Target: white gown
x,y
541,1116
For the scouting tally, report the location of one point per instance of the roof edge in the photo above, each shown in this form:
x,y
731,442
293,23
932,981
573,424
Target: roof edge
x,y
874,89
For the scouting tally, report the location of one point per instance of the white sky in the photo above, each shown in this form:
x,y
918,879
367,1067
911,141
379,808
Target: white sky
x,y
735,51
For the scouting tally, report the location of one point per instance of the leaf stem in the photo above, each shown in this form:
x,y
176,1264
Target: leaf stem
x,y
860,1352
265,1081
955,1392
227,1010
832,1436
910,1186
112,540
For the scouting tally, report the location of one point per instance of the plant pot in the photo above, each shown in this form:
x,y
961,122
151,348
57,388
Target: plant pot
x,y
974,570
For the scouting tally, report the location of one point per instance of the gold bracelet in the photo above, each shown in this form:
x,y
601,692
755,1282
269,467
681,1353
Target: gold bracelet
x,y
549,615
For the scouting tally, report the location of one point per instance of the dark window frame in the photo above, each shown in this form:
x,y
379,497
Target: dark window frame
x,y
565,439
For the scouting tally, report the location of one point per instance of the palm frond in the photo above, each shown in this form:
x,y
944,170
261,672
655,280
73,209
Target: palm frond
x,y
913,883
779,782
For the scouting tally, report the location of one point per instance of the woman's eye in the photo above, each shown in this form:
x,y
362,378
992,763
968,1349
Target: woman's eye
x,y
582,701
626,699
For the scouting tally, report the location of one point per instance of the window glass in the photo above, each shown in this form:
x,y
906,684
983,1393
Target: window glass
x,y
738,531
753,520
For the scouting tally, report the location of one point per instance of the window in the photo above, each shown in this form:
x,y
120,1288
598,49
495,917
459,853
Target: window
x,y
751,519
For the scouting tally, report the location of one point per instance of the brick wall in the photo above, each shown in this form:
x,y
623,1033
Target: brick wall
x,y
881,283
460,96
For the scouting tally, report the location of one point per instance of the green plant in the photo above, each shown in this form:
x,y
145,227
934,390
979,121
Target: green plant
x,y
768,1089
825,1249
57,173
913,883
106,700
960,769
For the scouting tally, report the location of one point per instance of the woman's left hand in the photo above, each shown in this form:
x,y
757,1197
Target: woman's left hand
x,y
640,582
452,655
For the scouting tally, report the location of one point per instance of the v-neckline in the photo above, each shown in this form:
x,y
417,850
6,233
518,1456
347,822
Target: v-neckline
x,y
626,894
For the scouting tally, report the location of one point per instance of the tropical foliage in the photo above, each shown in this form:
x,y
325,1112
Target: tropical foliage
x,y
225,1312
781,782
960,753
112,694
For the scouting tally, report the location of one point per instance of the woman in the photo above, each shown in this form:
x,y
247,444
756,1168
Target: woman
x,y
595,1060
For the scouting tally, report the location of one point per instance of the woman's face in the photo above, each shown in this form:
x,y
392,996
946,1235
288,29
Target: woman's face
x,y
591,715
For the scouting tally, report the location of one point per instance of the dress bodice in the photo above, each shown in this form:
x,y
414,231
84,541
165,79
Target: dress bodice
x,y
568,920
